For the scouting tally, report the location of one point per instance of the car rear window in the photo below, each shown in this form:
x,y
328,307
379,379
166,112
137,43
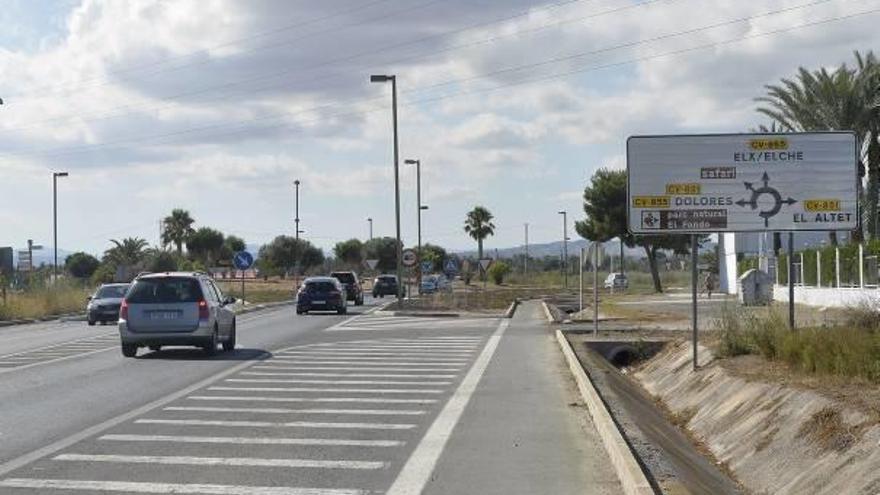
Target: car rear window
x,y
112,292
344,277
387,279
165,290
320,286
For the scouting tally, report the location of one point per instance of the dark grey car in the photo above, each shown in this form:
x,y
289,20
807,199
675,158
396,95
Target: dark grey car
x,y
104,304
176,308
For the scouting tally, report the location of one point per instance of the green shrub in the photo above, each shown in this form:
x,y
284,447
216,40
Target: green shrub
x,y
498,271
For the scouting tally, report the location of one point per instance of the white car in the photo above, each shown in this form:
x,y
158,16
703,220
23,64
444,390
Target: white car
x,y
616,280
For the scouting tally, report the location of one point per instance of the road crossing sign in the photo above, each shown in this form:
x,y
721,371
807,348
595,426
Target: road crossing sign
x,y
450,266
427,266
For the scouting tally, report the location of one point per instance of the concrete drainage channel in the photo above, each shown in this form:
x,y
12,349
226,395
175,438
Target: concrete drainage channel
x,y
650,453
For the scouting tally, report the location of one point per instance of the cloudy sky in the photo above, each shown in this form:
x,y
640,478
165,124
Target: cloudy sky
x,y
217,106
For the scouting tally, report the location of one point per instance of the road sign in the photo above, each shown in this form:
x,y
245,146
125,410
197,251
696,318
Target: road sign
x,y
409,258
372,264
485,263
742,182
427,266
243,260
450,267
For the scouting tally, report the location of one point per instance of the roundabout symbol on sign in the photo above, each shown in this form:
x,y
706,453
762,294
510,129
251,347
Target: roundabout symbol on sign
x,y
765,189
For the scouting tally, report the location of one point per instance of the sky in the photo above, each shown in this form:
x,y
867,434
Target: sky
x,y
217,106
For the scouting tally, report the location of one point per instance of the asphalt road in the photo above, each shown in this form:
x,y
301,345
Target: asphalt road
x,y
312,404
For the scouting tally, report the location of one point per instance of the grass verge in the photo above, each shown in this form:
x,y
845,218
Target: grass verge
x,y
850,350
42,302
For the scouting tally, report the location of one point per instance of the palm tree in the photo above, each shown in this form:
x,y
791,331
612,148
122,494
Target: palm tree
x,y
177,228
127,252
843,99
478,225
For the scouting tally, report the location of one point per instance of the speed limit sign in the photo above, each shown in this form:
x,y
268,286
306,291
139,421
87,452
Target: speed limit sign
x,y
409,258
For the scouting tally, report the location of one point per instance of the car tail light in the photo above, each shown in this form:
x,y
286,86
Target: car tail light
x,y
203,310
123,310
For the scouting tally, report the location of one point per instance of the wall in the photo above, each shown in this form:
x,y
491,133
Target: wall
x,y
842,297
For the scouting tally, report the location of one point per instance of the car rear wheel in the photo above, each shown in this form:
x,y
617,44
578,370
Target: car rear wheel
x,y
91,322
359,301
129,350
229,345
342,310
211,347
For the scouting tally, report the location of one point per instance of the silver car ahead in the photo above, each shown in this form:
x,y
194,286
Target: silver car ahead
x,y
176,308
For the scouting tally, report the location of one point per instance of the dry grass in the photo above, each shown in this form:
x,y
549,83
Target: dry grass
x,y
42,302
260,291
827,429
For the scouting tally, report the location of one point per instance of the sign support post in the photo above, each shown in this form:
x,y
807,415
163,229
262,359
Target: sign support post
x,y
581,273
695,244
596,289
791,280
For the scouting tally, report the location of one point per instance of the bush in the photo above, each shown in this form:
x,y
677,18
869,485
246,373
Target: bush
x,y
851,350
498,271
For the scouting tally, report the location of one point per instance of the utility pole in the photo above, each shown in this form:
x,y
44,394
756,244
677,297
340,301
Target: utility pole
x,y
296,234
526,258
296,214
393,80
419,207
564,248
370,220
55,176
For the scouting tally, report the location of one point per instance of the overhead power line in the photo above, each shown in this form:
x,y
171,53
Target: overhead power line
x,y
87,148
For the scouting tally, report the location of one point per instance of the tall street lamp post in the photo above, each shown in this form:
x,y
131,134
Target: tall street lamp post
x,y
564,248
419,208
393,80
370,221
55,176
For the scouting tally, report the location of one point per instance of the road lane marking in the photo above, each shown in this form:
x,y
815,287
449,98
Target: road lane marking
x,y
169,488
347,375
418,468
389,363
279,410
335,382
347,368
364,400
365,359
270,424
323,442
335,390
376,352
220,461
53,447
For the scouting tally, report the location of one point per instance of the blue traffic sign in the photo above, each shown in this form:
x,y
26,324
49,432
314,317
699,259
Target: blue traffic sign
x,y
427,266
243,260
450,266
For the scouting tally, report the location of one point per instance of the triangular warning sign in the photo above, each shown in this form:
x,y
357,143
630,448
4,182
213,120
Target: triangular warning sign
x,y
372,264
484,264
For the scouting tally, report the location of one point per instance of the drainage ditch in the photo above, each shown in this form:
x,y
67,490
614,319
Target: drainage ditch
x,y
672,461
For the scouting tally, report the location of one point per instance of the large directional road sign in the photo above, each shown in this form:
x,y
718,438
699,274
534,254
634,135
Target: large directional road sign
x,y
742,182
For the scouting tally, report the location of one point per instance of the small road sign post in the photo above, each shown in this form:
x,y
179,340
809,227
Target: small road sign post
x,y
700,184
242,261
408,258
484,267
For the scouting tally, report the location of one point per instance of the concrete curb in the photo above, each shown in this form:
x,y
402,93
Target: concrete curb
x,y
548,313
629,472
511,309
258,307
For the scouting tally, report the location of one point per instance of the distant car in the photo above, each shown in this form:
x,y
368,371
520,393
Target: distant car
x,y
353,290
434,283
385,285
176,308
616,281
104,304
321,294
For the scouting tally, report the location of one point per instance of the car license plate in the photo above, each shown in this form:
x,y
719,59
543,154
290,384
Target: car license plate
x,y
319,302
164,315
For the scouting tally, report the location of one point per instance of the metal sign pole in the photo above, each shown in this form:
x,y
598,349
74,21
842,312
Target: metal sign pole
x,y
581,273
242,286
791,280
694,271
596,289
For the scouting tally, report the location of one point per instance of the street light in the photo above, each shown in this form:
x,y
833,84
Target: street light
x,y
296,211
393,79
370,220
55,176
419,208
564,248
